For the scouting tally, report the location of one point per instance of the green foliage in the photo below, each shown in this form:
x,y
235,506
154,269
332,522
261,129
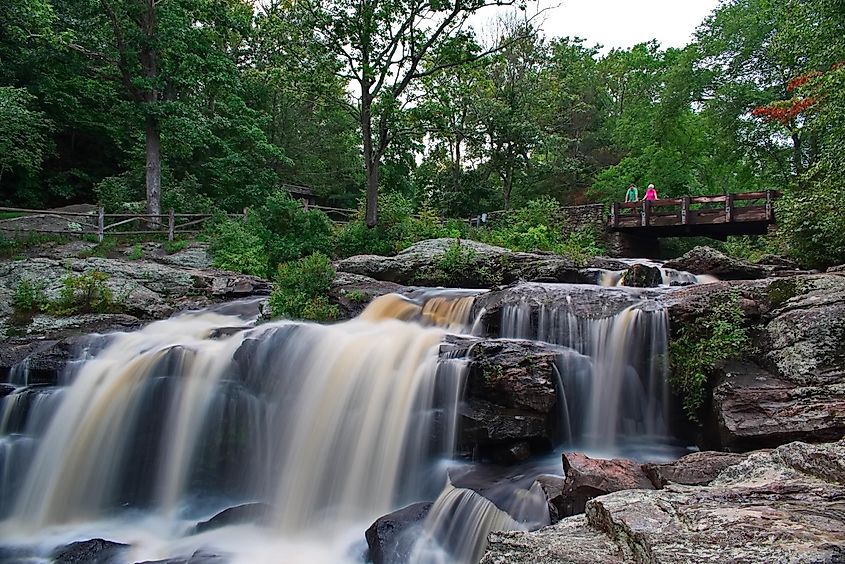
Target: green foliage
x,y
24,143
171,247
29,297
236,246
300,289
399,227
715,337
136,253
357,296
103,249
85,293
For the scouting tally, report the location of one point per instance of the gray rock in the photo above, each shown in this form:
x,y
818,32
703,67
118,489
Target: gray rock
x,y
94,551
642,276
390,538
353,292
783,505
707,260
238,515
694,469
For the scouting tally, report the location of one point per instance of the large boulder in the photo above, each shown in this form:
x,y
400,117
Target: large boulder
x,y
391,537
783,505
353,292
707,260
510,401
427,263
586,478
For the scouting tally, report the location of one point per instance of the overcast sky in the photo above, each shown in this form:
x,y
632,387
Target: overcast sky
x,y
624,23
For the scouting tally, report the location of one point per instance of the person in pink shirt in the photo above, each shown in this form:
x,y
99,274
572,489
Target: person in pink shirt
x,y
651,193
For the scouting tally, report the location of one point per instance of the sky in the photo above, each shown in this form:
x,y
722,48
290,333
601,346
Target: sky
x,y
624,23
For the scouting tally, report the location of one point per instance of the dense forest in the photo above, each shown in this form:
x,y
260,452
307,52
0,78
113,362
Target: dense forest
x,y
214,104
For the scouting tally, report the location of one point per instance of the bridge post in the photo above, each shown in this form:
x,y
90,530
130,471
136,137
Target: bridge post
x,y
614,215
685,202
729,208
770,210
646,213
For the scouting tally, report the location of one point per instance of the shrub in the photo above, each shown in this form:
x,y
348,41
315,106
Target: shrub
x,y
289,232
171,247
29,297
136,253
85,293
718,336
300,289
236,246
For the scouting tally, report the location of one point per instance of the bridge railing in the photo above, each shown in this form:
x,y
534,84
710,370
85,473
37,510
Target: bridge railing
x,y
695,210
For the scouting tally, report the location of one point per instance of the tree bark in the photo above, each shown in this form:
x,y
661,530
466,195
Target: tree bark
x,y
371,158
153,171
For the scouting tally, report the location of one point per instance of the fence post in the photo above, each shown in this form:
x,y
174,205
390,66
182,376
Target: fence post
x,y
614,215
246,211
171,224
729,208
101,224
646,214
685,202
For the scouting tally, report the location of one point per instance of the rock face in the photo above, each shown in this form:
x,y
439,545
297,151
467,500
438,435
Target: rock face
x,y
510,403
796,388
353,292
783,505
642,276
390,538
586,478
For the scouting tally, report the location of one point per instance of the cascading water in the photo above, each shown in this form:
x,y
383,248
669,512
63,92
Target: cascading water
x,y
331,426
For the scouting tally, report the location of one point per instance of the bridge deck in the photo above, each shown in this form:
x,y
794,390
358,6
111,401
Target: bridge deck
x,y
711,216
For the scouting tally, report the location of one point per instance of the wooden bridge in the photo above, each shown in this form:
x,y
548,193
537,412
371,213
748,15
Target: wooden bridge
x,y
717,217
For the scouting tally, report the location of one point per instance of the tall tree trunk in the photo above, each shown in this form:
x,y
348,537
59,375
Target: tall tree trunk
x,y
371,159
153,133
797,157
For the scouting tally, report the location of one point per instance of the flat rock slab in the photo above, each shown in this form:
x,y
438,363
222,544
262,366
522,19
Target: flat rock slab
x,y
586,478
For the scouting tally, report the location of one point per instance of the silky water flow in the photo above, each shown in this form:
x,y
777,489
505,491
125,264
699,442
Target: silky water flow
x,y
329,426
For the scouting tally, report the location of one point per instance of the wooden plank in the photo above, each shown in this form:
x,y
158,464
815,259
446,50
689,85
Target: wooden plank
x,y
708,199
685,210
750,196
646,214
729,205
124,222
47,212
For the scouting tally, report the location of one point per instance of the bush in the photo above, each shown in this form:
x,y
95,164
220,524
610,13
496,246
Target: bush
x,y
718,336
85,293
300,289
236,246
29,297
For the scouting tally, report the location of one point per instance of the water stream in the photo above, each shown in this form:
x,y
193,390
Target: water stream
x,y
331,426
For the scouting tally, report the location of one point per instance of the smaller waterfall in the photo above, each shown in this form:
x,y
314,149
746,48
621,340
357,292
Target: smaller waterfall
x,y
613,370
457,526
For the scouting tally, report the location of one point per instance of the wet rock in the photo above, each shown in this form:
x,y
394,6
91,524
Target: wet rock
x,y
642,276
783,505
198,557
509,400
590,302
553,487
238,515
391,537
694,469
706,260
94,551
836,269
586,478
353,292
6,389
754,409
778,260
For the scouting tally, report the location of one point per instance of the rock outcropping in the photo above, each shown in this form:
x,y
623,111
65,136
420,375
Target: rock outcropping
x,y
782,505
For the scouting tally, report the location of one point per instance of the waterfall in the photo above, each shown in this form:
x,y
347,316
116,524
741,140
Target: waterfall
x,y
613,369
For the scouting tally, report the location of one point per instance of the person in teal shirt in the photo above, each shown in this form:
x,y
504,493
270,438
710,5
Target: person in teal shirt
x,y
631,195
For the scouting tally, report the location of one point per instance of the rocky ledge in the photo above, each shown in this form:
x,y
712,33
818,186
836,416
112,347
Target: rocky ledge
x,y
781,505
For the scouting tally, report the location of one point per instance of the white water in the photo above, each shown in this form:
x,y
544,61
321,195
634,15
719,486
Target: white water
x,y
332,425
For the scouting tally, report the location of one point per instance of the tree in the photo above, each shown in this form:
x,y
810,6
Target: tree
x,y
382,46
23,133
158,51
